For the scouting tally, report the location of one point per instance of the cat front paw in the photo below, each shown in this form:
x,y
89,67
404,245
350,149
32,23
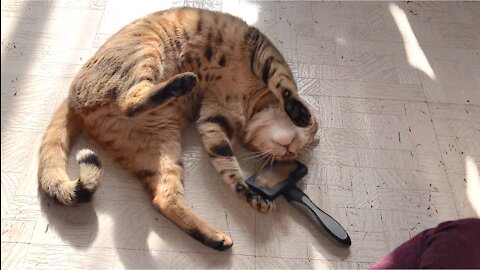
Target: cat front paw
x,y
254,199
261,204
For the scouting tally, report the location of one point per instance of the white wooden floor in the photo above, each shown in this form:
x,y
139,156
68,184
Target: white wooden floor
x,y
396,88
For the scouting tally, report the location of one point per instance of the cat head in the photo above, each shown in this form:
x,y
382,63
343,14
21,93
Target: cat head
x,y
271,130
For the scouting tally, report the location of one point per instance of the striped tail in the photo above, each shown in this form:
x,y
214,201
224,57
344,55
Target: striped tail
x,y
52,169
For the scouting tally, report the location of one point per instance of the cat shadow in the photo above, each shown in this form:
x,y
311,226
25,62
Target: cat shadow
x,y
76,225
160,234
209,198
160,240
121,216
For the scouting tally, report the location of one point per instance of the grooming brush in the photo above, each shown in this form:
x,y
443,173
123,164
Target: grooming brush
x,y
281,179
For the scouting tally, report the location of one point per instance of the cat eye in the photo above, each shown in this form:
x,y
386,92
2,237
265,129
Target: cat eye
x,y
297,112
287,93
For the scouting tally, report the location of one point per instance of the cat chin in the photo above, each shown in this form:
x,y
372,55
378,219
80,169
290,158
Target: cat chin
x,y
284,159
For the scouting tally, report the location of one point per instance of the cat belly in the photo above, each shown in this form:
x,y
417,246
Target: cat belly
x,y
134,142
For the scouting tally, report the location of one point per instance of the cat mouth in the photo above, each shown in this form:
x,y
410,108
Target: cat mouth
x,y
286,157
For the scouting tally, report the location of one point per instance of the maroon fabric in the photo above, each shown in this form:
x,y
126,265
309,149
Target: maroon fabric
x,y
452,244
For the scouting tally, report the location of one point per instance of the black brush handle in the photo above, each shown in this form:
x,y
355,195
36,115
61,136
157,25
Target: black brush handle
x,y
301,201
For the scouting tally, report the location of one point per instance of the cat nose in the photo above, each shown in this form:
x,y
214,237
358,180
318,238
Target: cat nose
x,y
284,140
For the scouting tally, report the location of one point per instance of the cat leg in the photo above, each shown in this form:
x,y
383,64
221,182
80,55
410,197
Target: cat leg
x,y
166,185
217,131
145,95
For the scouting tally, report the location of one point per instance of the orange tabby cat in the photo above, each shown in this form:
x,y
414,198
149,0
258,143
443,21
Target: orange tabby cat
x,y
154,77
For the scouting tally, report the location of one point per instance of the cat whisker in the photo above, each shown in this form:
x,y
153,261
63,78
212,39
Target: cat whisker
x,y
253,159
266,161
253,153
257,156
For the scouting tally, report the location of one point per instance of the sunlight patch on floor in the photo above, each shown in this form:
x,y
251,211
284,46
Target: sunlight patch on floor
x,y
473,184
416,56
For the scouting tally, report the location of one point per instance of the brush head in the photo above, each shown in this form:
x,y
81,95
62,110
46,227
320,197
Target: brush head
x,y
274,180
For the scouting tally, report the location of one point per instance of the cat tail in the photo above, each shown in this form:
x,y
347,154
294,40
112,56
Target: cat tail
x,y
53,154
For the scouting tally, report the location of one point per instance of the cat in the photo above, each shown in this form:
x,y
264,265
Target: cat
x,y
153,78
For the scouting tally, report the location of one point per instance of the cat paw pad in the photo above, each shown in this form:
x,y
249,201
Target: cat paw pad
x,y
183,84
